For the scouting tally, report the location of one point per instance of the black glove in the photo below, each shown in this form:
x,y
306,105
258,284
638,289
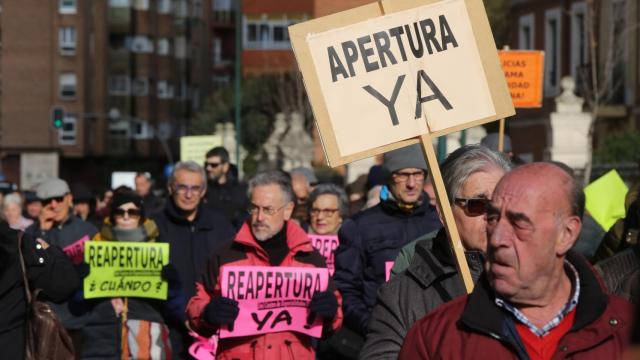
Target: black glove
x,y
83,269
169,273
221,311
324,304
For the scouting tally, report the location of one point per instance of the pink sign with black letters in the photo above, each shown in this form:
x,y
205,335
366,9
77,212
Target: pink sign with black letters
x,y
75,251
273,299
326,245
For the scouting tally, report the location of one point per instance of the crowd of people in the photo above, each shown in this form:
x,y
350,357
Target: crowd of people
x,y
396,292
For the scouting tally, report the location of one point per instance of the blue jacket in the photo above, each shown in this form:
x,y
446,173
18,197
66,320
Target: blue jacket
x,y
369,240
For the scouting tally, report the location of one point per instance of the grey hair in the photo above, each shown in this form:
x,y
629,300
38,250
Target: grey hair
x,y
467,160
330,189
12,199
273,177
190,166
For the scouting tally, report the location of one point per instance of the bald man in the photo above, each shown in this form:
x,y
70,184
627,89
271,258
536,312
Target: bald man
x,y
537,299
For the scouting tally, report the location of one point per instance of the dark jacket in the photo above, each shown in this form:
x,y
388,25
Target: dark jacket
x,y
191,242
55,275
431,280
369,240
621,273
245,251
229,199
474,327
61,236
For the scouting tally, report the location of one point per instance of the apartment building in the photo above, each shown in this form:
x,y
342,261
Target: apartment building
x,y
129,75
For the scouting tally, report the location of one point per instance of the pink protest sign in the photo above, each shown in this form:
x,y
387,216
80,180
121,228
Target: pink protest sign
x,y
75,251
326,245
272,299
388,265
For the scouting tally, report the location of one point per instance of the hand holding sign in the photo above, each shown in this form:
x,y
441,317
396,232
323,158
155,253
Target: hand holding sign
x,y
221,311
324,304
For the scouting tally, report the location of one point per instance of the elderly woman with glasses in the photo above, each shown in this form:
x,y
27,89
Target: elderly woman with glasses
x,y
326,207
117,325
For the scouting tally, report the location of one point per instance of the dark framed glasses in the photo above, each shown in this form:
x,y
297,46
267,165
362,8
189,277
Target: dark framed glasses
x,y
57,199
472,206
132,213
212,165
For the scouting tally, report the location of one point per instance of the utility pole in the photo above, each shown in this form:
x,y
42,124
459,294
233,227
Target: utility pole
x,y
237,80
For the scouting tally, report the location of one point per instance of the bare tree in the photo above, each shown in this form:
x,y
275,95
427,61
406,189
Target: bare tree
x,y
602,83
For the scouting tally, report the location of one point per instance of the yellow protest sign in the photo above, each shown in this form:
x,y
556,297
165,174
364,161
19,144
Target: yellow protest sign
x,y
605,199
194,148
125,269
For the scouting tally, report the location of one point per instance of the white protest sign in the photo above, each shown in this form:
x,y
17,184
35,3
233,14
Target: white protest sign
x,y
423,68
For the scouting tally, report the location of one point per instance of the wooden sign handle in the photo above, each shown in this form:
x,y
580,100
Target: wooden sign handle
x,y
447,214
501,136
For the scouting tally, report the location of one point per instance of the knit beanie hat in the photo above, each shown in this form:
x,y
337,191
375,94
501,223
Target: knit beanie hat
x,y
403,158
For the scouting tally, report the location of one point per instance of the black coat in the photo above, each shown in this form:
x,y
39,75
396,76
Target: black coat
x,y
191,242
229,200
49,270
367,241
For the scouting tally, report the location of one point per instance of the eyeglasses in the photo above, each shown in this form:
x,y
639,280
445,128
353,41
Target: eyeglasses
x,y
212,165
254,209
57,199
472,206
325,212
184,189
132,213
400,177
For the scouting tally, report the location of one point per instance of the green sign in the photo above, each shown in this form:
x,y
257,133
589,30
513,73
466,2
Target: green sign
x,y
125,269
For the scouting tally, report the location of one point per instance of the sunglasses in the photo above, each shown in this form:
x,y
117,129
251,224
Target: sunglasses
x,y
132,213
472,206
57,199
211,165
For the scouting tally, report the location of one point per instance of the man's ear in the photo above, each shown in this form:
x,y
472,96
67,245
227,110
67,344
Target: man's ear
x,y
169,189
568,234
69,198
225,167
288,210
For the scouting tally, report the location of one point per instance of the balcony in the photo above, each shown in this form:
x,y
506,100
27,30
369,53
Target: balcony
x,y
119,19
119,61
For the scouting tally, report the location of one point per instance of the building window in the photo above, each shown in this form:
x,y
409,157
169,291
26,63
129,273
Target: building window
x,y
140,44
68,86
264,33
119,85
221,81
67,133
221,5
526,32
552,48
180,47
140,87
579,44
181,9
120,3
141,4
164,6
165,90
67,6
67,40
163,46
